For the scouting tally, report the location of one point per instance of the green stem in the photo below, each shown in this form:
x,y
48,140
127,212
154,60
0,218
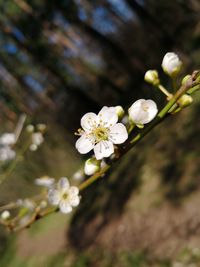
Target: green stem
x,y
164,91
174,85
93,178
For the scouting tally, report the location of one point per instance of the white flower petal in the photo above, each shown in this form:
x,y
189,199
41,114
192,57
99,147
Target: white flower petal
x,y
74,200
73,191
152,110
54,196
108,116
136,113
64,206
45,181
63,183
103,149
84,144
37,138
118,133
8,139
89,121
143,111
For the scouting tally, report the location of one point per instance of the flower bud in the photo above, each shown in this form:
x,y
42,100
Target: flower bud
x,y
41,127
33,147
91,166
30,128
151,76
142,111
185,100
5,215
171,64
43,204
78,175
185,79
120,111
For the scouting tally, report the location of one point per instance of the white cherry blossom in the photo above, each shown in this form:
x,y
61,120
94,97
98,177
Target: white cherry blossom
x,y
6,153
5,215
100,132
171,64
37,139
142,111
45,181
64,196
8,139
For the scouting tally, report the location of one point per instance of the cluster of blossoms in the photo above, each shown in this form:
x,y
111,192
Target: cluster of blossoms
x,y
7,141
101,133
37,137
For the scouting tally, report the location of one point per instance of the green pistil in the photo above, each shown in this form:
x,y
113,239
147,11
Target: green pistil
x,y
100,134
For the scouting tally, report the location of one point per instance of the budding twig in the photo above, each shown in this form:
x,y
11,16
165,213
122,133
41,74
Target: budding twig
x,y
190,86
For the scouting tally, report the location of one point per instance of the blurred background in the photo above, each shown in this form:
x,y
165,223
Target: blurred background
x,y
62,58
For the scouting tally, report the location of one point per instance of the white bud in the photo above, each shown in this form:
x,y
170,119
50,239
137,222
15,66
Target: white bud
x,y
185,100
171,64
43,204
37,138
41,127
30,128
5,215
91,166
142,111
185,79
45,181
78,175
33,147
151,76
120,111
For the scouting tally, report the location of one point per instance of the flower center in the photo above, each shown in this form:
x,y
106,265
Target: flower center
x,y
65,196
100,134
145,107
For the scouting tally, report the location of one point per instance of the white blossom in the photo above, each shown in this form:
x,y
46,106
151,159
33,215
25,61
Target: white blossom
x,y
26,203
5,215
78,175
100,132
64,196
37,140
91,166
45,181
7,139
142,111
171,64
6,153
